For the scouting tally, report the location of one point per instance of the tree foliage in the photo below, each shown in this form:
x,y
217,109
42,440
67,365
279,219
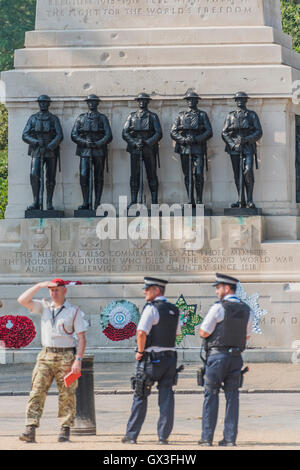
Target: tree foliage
x,y
3,127
16,17
291,21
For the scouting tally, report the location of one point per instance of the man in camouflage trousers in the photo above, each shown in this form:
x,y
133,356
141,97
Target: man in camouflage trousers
x,y
59,321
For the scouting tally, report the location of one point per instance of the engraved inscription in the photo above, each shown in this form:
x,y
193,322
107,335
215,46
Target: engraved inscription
x,y
95,8
106,13
143,260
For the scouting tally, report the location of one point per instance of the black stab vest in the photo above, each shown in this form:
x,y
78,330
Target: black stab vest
x,y
232,331
163,334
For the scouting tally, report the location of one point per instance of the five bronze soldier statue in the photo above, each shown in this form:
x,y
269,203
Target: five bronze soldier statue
x,y
142,131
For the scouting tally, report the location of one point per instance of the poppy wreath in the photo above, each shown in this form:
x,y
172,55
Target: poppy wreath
x,y
16,331
119,320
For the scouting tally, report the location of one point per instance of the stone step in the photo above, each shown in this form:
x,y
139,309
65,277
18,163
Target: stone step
x,y
126,355
107,57
125,83
159,36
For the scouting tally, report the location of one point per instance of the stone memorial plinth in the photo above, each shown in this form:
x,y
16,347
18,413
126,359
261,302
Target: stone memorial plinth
x,y
117,49
113,270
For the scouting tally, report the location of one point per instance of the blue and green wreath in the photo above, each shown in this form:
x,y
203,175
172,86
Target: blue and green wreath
x,y
119,320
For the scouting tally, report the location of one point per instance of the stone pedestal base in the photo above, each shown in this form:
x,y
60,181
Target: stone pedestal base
x,y
242,212
84,213
263,252
39,214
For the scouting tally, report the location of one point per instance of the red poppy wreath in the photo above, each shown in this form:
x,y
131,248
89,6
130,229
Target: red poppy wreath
x,y
16,331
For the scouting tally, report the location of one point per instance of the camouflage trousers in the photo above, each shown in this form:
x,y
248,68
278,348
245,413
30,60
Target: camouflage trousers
x,y
52,366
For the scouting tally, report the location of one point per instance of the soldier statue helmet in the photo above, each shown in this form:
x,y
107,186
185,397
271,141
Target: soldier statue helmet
x,y
93,98
241,95
191,95
143,96
45,98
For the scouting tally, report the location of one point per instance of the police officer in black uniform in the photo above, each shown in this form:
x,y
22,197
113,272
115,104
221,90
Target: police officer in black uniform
x,y
191,131
156,361
92,133
242,129
44,134
142,132
225,328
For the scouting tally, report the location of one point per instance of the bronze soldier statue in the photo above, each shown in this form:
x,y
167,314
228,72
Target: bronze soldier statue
x,y
142,132
191,131
92,133
44,134
241,131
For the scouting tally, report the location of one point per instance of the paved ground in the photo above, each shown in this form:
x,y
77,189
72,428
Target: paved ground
x,y
268,419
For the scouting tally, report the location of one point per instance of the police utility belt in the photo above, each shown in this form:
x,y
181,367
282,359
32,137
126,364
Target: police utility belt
x,y
154,356
234,352
141,383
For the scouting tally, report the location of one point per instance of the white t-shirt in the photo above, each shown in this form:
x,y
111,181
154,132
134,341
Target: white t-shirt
x,y
57,323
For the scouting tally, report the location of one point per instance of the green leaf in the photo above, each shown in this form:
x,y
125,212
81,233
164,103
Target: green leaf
x,y
16,17
291,21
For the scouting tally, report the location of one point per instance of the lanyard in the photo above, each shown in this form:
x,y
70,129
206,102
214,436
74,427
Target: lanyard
x,y
55,316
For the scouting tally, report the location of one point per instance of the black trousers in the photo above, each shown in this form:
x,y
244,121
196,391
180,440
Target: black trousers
x,y
150,165
163,373
35,172
99,166
248,175
197,174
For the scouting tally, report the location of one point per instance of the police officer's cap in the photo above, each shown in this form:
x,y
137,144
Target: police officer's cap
x,y
241,94
191,94
93,98
152,281
44,98
224,279
143,96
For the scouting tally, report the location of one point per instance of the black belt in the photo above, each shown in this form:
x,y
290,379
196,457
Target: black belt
x,y
160,355
232,351
60,350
